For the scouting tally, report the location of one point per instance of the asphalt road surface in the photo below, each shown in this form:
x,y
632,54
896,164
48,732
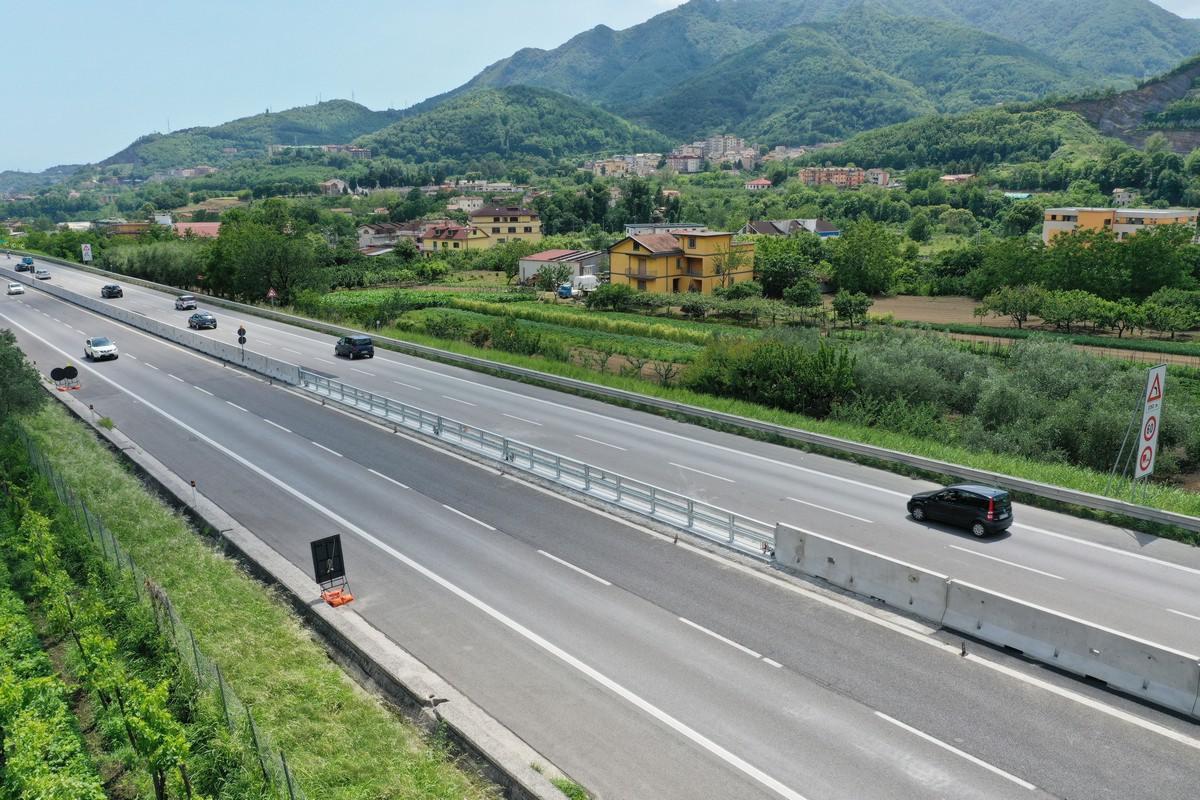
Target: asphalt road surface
x,y
642,668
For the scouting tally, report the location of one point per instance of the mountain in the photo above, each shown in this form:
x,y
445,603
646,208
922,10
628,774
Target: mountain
x,y
1053,44
330,122
16,182
825,81
510,124
1169,104
970,141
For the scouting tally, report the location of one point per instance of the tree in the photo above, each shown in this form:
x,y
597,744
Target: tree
x,y
1062,309
919,227
805,294
851,305
1170,319
551,276
20,384
1016,302
729,261
865,257
1021,217
782,261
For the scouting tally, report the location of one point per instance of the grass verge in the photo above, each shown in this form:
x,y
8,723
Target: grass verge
x,y
340,741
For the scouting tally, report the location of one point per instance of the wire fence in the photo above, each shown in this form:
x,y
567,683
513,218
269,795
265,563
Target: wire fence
x,y
207,673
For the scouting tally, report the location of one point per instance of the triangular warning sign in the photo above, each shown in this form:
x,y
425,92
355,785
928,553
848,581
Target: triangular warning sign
x,y
1155,390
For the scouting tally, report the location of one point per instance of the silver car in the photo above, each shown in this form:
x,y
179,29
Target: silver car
x,y
16,288
99,348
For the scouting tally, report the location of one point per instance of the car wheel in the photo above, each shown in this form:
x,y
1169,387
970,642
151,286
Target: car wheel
x,y
918,513
978,530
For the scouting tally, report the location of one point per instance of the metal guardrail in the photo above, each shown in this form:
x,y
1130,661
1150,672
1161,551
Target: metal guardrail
x,y
749,536
831,443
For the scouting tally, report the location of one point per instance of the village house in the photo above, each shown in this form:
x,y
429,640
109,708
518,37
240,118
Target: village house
x,y
757,185
465,203
334,186
1123,222
955,180
839,177
198,230
786,227
443,238
581,262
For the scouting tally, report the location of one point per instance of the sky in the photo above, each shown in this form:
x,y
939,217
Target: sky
x,y
92,77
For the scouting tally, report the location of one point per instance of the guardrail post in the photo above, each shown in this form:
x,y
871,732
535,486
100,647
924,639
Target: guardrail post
x,y
558,468
653,500
691,512
731,527
587,477
618,488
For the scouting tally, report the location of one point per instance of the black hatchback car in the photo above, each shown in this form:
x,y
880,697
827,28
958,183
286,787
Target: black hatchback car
x,y
201,320
982,510
353,347
111,290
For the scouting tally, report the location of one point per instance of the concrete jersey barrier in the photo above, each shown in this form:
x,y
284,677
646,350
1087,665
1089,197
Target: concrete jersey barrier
x,y
896,583
833,443
1158,674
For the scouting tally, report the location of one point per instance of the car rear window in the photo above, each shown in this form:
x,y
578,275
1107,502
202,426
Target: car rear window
x,y
361,340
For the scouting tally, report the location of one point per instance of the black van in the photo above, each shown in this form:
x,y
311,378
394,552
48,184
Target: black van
x,y
982,510
353,347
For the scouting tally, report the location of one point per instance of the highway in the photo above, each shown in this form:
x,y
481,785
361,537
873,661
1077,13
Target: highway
x,y
1120,579
642,668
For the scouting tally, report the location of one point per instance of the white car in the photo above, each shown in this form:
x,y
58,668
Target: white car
x,y
99,348
42,274
16,288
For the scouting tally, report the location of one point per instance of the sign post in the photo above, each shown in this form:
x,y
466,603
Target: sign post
x,y
271,295
1152,402
242,340
87,252
329,569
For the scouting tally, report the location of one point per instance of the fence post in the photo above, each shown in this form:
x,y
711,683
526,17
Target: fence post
x,y
133,577
287,776
87,519
196,656
258,748
221,688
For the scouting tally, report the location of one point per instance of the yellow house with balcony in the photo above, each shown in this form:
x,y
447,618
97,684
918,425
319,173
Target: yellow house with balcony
x,y
1122,222
684,261
508,223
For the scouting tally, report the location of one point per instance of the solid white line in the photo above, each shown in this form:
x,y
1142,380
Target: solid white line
x,y
176,377
235,405
455,399
408,386
386,478
700,471
1109,548
597,441
1184,614
830,510
1009,563
363,371
952,749
720,638
276,424
522,419
326,449
772,662
468,516
148,364
580,570
562,655
206,391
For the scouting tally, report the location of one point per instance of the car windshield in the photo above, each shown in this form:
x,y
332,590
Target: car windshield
x,y
100,341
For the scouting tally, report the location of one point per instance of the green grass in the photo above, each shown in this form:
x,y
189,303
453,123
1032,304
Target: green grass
x,y
1162,496
340,742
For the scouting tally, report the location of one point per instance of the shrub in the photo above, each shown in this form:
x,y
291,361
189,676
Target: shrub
x,y
612,297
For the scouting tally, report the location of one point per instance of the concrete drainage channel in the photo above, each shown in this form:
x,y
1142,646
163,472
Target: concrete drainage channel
x,y
1153,673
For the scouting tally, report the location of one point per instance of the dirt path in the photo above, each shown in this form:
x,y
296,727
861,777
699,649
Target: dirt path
x,y
1141,356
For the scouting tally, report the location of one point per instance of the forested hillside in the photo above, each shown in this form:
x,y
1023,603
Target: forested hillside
x,y
513,125
330,122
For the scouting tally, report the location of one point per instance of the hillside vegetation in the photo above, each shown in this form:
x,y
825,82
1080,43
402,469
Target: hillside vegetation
x,y
826,81
330,122
515,124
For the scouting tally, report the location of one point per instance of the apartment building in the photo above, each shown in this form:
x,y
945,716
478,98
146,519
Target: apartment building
x,y
1123,222
508,223
839,177
683,261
